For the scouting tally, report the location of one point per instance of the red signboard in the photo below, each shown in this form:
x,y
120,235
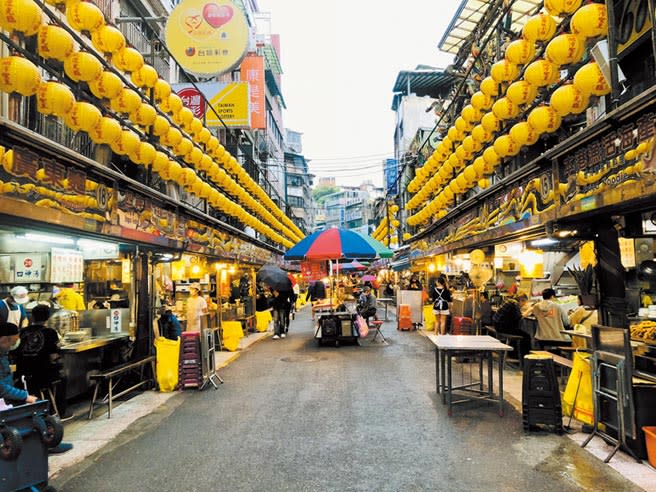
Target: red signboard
x,y
314,270
252,71
193,99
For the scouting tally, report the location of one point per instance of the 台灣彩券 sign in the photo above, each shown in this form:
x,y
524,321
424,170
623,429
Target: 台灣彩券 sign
x,y
229,100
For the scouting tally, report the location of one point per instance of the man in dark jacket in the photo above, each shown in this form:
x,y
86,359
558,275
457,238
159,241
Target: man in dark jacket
x,y
508,318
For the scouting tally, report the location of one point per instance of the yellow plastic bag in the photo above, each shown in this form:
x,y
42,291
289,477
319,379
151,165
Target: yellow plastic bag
x,y
232,333
429,318
578,392
263,318
168,356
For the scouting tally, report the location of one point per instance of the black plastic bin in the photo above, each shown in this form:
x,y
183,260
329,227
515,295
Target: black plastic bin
x,y
27,433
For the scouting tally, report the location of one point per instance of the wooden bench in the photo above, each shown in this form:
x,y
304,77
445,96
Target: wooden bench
x,y
117,373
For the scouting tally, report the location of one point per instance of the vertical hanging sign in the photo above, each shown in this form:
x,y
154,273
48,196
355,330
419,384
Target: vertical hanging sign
x,y
252,71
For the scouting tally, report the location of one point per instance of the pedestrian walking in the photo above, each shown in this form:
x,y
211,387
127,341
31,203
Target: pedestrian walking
x,y
281,304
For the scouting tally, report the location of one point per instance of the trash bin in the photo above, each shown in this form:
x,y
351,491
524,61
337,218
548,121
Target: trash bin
x,y
168,356
27,432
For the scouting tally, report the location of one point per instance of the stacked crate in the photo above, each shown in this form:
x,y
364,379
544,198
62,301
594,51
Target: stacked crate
x,y
404,318
190,366
540,394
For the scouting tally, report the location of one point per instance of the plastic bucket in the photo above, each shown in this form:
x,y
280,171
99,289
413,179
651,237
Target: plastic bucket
x,y
650,440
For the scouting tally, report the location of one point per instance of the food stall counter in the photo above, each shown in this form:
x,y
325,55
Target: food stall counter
x,y
92,343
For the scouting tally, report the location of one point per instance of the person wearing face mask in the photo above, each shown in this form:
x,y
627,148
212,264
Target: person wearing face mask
x,y
9,340
12,309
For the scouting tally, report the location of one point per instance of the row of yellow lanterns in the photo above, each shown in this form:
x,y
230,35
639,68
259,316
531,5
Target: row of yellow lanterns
x,y
53,98
589,21
387,228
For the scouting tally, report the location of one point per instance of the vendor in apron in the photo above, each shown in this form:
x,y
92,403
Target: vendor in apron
x,y
12,309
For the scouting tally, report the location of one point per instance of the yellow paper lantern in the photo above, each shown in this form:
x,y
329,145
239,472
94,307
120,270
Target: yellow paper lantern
x,y
568,99
128,60
541,73
561,7
203,136
171,104
144,115
160,162
480,134
483,183
126,102
520,51
162,90
161,126
107,131
144,154
504,71
212,144
471,114
523,133
544,119
183,117
183,148
20,15
187,177
406,236
565,49
19,75
107,86
82,117
505,146
462,183
541,27
491,157
462,125
521,92
590,21
173,171
172,137
205,163
489,87
54,42
471,145
195,126
82,66
481,101
126,144
505,109
194,156
454,187
108,39
490,122
462,156
84,16
454,135
590,80
470,174
53,98
145,77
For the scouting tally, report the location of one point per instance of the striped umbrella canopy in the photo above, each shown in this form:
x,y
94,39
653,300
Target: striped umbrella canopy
x,y
331,244
350,267
382,251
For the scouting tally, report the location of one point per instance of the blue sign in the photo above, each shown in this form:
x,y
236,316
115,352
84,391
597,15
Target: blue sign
x,y
391,172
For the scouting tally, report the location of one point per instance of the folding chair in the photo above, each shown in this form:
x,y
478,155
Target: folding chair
x,y
376,324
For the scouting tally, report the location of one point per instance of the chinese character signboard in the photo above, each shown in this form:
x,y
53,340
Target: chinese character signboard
x,y
252,71
391,172
314,270
207,37
229,100
193,99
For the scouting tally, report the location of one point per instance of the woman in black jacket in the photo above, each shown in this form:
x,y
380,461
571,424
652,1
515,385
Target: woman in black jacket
x,y
441,299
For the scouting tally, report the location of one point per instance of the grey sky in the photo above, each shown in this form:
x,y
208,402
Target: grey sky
x,y
340,60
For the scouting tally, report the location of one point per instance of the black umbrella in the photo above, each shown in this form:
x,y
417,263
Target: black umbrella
x,y
275,277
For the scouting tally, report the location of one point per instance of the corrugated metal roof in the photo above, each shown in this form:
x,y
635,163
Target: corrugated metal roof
x,y
422,82
471,12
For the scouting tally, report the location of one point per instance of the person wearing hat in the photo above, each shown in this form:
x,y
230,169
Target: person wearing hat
x,y
196,307
9,340
12,309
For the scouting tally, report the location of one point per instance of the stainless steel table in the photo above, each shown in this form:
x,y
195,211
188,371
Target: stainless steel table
x,y
386,301
480,346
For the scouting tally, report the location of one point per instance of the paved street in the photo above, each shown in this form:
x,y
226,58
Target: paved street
x,y
292,416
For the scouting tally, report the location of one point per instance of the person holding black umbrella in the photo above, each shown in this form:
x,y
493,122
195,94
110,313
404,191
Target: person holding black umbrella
x,y
281,304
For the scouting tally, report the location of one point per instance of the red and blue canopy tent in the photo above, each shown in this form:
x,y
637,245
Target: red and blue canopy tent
x,y
333,244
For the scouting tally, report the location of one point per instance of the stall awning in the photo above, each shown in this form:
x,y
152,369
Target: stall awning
x,y
400,265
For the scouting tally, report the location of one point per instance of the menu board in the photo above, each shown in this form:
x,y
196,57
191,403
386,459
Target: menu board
x,y
66,265
314,270
29,267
